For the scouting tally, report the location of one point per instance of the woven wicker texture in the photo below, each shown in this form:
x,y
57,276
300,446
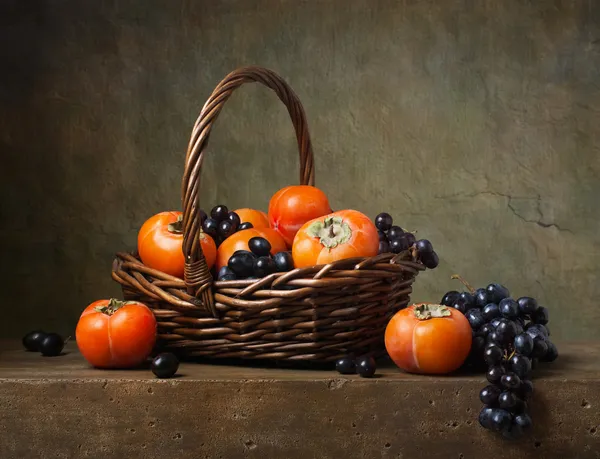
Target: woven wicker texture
x,y
318,313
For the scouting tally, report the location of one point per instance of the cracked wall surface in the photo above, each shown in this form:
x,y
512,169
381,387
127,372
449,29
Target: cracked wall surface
x,y
475,123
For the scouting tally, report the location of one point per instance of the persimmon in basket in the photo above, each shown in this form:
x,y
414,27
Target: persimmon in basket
x,y
428,338
342,234
160,243
292,206
239,241
258,218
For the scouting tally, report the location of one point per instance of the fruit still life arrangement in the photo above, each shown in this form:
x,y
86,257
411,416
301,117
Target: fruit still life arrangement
x,y
483,329
303,282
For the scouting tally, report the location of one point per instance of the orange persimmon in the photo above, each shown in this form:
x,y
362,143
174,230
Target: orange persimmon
x,y
292,206
116,334
160,243
258,218
342,234
428,338
239,241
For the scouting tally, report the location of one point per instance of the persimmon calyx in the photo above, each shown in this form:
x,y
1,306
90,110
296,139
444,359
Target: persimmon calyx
x,y
332,231
113,306
177,226
430,311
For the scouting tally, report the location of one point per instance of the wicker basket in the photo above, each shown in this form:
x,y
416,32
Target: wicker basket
x,y
313,314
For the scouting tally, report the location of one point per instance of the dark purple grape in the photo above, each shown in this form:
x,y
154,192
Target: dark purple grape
x,y
398,245
226,274
540,316
51,345
410,239
493,355
497,293
245,226
242,263
481,297
460,305
507,330
395,232
500,419
478,346
450,298
263,266
259,246
495,322
519,326
491,311
234,219
366,366
165,365
534,362
524,344
203,217
211,227
540,348
384,221
424,246
486,329
520,365
551,354
527,305
382,236
538,330
33,340
520,406
509,308
489,395
525,389
513,431
523,421
345,366
497,338
467,298
283,261
485,417
511,381
219,213
430,260
226,229
384,247
494,374
475,318
507,400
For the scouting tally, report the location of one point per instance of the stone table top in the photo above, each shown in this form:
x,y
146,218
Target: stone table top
x,y
577,362
60,407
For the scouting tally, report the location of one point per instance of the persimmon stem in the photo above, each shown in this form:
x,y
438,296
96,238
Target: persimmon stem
x,y
113,306
463,281
177,226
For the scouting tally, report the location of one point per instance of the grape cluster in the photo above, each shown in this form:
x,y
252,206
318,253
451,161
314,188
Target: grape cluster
x,y
256,262
222,223
394,239
509,338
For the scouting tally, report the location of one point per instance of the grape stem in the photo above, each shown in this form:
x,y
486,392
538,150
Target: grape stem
x,y
464,282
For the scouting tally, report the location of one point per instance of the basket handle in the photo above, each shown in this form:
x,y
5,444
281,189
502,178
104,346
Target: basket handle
x,y
197,276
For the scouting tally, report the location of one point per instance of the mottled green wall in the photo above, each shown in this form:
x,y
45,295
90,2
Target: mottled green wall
x,y
476,123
